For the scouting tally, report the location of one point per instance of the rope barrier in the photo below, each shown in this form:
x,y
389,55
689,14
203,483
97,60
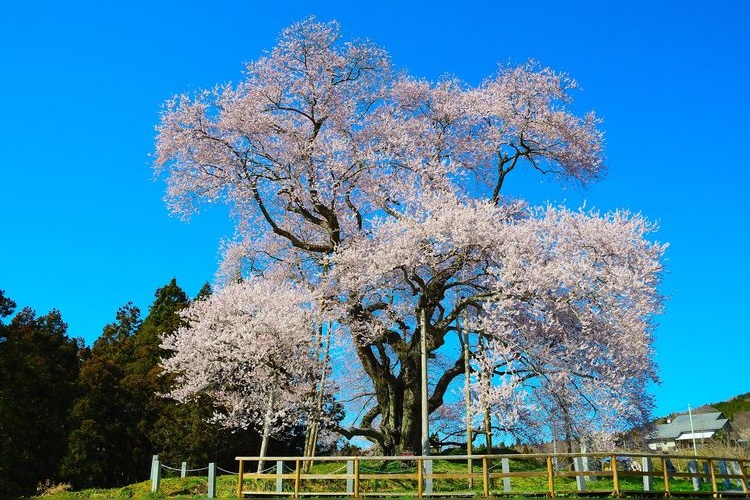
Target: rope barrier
x,y
226,471
170,468
180,469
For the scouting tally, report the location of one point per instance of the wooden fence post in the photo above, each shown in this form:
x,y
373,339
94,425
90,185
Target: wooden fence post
x,y
615,477
212,480
485,477
665,471
742,464
712,474
550,477
420,478
297,478
240,478
356,477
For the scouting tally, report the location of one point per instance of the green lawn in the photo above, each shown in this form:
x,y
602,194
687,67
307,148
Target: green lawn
x,y
196,486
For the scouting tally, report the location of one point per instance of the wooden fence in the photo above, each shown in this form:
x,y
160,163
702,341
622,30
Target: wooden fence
x,y
561,474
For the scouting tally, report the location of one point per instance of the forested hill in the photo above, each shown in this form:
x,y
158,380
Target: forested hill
x,y
737,410
733,407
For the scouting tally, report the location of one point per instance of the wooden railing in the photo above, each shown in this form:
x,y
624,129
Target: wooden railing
x,y
490,475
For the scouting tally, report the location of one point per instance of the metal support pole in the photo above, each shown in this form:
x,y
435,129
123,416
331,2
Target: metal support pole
x,y
578,467
428,480
425,403
692,431
506,470
467,401
586,465
693,469
279,472
155,474
423,373
212,480
648,481
350,479
726,483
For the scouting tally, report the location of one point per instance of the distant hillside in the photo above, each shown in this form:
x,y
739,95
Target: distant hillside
x,y
738,404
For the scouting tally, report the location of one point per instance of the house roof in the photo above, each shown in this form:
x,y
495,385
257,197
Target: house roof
x,y
703,425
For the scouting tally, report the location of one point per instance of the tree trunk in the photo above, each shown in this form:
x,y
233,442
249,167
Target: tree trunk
x,y
398,395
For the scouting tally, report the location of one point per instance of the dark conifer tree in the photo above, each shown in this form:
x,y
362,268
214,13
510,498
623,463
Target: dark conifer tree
x,y
204,292
102,449
39,368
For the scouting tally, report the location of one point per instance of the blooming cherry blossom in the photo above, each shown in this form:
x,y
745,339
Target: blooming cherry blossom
x,y
380,195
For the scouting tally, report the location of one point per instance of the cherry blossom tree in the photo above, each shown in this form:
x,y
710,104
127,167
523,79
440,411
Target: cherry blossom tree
x,y
249,347
381,192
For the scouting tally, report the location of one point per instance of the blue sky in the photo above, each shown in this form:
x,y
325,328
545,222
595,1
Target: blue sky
x,y
85,229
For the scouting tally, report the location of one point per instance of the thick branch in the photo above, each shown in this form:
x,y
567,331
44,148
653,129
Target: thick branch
x,y
370,434
296,242
436,400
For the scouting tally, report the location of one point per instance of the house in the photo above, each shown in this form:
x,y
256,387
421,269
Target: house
x,y
680,431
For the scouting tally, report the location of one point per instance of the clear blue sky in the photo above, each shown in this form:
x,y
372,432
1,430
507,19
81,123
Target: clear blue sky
x,y
85,229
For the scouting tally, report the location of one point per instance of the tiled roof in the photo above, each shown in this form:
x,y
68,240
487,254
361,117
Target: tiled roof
x,y
702,422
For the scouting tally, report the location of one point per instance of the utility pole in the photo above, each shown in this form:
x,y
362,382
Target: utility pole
x,y
423,363
467,399
427,464
692,431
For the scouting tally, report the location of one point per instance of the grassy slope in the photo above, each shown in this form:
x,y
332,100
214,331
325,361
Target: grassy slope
x,y
226,485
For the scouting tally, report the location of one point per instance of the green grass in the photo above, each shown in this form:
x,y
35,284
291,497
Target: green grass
x,y
196,486
189,487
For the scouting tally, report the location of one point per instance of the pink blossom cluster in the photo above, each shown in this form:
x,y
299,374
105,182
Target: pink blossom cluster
x,y
243,343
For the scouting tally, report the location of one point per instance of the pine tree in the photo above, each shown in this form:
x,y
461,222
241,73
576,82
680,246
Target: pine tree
x,y
39,368
102,449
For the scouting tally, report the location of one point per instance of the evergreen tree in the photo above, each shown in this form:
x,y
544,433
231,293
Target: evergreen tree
x,y
204,292
107,448
39,368
7,306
